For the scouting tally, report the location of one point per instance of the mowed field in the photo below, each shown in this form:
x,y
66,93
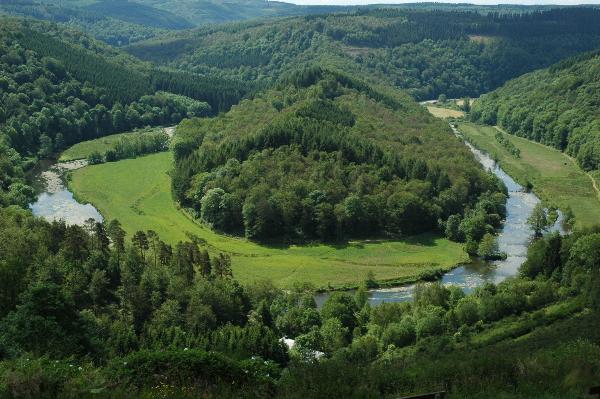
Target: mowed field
x,y
137,193
84,149
440,112
556,179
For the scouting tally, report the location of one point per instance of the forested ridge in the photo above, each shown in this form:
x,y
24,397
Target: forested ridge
x,y
428,53
88,311
327,157
557,106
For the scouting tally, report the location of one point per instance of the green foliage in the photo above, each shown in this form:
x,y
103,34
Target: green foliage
x,y
314,170
488,247
45,323
429,53
538,221
190,367
554,106
75,91
510,147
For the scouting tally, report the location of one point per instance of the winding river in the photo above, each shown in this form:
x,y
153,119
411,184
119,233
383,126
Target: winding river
x,y
513,239
55,202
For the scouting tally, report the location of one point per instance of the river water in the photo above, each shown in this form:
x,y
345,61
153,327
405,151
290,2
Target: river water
x,y
513,239
56,202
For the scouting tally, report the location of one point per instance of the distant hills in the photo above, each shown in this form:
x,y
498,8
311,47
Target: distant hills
x,y
428,53
123,22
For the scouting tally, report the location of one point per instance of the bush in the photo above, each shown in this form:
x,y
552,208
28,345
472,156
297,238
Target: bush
x,y
399,334
192,368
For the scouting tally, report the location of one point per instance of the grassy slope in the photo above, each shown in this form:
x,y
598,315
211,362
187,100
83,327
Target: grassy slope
x,y
555,178
86,148
137,192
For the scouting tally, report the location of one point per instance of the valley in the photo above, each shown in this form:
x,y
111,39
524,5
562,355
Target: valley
x,y
554,177
260,200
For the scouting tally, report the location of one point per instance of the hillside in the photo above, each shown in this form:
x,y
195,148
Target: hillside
x,y
326,157
123,22
427,53
261,209
59,87
558,106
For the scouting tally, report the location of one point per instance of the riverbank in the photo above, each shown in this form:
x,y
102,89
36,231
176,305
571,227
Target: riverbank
x,y
555,179
84,149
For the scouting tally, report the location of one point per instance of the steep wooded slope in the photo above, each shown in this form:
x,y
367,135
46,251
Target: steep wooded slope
x,y
558,106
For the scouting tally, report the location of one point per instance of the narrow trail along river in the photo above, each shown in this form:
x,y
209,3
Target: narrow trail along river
x,y
55,202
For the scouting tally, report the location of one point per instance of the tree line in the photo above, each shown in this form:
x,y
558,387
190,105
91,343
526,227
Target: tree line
x,y
85,306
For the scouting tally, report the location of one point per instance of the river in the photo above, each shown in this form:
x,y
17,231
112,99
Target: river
x,y
55,201
513,239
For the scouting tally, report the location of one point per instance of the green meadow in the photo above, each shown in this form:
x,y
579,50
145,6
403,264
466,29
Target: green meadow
x,y
556,179
137,193
84,149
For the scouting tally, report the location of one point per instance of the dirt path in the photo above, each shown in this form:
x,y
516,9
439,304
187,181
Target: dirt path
x,y
573,161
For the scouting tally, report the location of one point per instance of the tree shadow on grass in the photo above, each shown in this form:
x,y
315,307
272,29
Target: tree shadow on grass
x,y
425,239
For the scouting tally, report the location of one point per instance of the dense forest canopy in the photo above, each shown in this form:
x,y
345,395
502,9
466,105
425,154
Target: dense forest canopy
x,y
59,87
428,53
88,309
326,156
124,22
558,106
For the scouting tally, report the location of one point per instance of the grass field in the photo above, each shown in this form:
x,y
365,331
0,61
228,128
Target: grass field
x,y
85,148
137,193
556,179
440,112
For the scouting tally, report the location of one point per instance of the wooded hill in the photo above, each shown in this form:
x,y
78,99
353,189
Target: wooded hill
x,y
59,87
426,52
124,22
558,106
327,157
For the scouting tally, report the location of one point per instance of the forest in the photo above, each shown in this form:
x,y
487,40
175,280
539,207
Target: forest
x,y
428,53
292,133
312,166
59,87
557,106
86,310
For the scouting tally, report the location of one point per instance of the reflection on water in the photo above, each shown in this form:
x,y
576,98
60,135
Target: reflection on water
x,y
56,202
513,239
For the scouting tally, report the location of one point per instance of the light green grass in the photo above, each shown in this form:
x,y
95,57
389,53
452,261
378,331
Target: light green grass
x,y
440,112
137,193
556,179
86,148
